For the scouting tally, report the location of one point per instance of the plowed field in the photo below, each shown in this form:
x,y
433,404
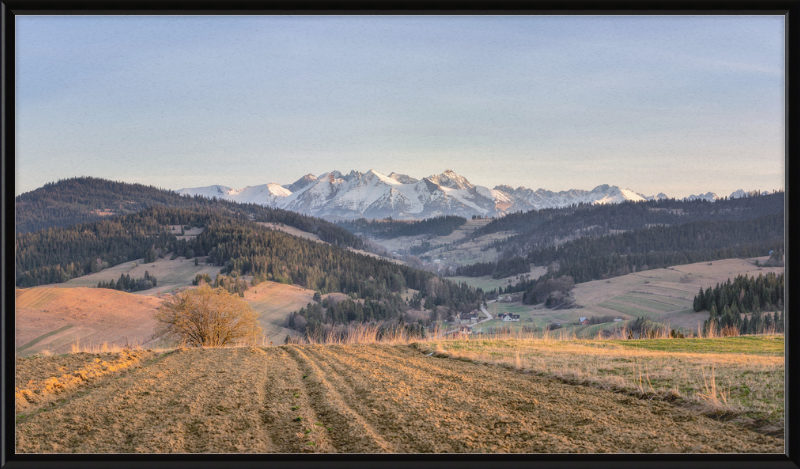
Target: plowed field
x,y
352,399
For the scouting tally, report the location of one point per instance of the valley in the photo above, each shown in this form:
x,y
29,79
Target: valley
x,y
661,295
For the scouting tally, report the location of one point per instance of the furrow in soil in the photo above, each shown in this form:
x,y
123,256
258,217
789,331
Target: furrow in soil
x,y
187,401
286,409
334,406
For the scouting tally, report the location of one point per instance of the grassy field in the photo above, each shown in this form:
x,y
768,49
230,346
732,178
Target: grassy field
x,y
488,283
387,398
170,274
274,301
739,379
756,345
662,295
56,318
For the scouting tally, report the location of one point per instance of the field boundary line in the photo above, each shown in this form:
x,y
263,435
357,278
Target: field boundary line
x,y
35,341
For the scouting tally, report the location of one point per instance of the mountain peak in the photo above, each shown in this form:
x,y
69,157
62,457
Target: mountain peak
x,y
709,196
403,178
300,183
451,180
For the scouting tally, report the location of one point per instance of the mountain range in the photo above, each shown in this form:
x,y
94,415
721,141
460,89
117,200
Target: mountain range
x,y
371,195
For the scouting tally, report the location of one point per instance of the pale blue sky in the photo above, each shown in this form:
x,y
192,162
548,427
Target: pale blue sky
x,y
655,104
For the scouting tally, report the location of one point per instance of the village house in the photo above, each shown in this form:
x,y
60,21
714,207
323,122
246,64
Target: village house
x,y
511,317
583,321
464,330
466,318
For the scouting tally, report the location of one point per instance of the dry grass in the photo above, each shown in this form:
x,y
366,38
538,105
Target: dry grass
x,y
744,386
675,285
55,318
37,392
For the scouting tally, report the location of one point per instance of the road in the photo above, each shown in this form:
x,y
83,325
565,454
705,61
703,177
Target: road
x,y
488,318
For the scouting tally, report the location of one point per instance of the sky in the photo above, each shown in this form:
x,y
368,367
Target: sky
x,y
674,104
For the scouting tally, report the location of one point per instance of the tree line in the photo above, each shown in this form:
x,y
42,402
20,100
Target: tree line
x,y
504,267
389,228
127,284
545,227
746,293
596,258
56,255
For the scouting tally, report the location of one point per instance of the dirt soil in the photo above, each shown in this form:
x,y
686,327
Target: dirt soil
x,y
355,399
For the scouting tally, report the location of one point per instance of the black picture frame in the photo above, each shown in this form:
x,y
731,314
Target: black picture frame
x,y
9,9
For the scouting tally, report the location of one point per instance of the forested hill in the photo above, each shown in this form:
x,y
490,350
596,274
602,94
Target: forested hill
x,y
539,228
86,199
240,246
388,228
595,258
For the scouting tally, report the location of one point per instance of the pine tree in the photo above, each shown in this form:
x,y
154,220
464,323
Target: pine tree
x,y
697,304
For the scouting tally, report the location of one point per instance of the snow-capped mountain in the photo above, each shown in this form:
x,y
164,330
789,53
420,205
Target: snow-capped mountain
x,y
709,196
370,195
265,194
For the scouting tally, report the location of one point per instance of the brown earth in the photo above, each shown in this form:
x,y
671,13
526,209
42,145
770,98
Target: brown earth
x,y
358,398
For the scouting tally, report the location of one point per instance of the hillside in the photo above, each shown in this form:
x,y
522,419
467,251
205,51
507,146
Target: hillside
x,y
388,228
663,296
60,318
542,228
55,319
600,257
244,252
82,200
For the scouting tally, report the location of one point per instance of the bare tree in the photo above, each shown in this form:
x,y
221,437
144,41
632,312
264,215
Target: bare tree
x,y
208,317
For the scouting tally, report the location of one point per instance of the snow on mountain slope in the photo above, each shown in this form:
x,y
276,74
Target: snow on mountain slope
x,y
709,196
265,194
301,183
374,195
220,192
405,179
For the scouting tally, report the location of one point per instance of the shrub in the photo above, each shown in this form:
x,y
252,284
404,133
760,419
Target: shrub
x,y
208,317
